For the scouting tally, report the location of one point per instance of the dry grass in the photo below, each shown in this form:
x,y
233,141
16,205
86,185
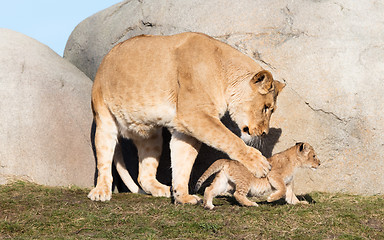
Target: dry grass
x,y
29,211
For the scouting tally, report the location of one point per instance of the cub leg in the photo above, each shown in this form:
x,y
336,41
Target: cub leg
x,y
149,151
218,187
290,197
184,150
241,197
278,183
105,142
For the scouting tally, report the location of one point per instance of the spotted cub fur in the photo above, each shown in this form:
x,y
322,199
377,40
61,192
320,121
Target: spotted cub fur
x,y
234,177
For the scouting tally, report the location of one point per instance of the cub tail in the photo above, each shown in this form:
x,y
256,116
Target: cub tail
x,y
216,167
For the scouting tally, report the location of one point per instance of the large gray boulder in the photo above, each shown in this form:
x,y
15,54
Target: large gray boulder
x,y
45,115
330,54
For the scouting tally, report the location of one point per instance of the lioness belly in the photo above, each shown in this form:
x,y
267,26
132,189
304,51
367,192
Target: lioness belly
x,y
141,121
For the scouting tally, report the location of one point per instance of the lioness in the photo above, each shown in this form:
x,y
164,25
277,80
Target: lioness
x,y
232,176
186,83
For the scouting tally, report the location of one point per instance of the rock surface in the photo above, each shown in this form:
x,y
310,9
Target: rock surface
x,y
330,54
45,115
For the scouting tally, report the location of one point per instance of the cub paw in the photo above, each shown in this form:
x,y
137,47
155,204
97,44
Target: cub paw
x,y
304,202
272,199
100,194
187,199
209,206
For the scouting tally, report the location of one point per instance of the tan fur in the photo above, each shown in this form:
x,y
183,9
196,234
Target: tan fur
x,y
185,82
232,176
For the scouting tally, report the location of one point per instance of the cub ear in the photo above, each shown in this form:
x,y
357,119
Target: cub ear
x,y
263,82
303,147
278,86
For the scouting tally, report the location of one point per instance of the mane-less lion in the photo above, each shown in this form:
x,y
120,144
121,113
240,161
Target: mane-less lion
x,y
186,83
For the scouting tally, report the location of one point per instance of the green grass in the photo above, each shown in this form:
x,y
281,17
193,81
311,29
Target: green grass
x,y
30,211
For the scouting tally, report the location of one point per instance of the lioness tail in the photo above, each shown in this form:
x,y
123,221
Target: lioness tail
x,y
125,176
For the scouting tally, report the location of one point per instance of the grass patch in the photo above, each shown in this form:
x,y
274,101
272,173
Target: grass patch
x,y
30,211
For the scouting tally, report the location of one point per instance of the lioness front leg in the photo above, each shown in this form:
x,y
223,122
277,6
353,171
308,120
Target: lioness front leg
x,y
213,132
149,151
184,150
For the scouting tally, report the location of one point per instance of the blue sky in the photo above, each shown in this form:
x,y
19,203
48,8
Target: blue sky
x,y
49,21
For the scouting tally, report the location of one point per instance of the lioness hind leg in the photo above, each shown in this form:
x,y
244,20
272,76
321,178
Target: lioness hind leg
x,y
184,150
105,142
149,151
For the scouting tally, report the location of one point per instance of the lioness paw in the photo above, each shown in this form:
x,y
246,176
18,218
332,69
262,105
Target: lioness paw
x,y
161,191
100,194
257,163
156,189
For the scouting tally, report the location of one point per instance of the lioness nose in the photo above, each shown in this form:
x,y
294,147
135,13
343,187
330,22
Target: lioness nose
x,y
264,134
246,130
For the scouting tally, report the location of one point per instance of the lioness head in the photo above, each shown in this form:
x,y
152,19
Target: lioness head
x,y
255,105
306,156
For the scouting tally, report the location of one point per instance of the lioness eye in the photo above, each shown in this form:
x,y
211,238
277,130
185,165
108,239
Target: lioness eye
x,y
265,109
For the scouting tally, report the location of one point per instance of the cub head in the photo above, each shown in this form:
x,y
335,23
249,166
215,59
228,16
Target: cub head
x,y
306,156
254,105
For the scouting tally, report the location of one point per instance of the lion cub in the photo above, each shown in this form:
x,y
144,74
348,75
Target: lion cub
x,y
235,178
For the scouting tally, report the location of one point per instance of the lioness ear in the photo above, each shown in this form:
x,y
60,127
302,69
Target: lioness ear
x,y
263,81
278,86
